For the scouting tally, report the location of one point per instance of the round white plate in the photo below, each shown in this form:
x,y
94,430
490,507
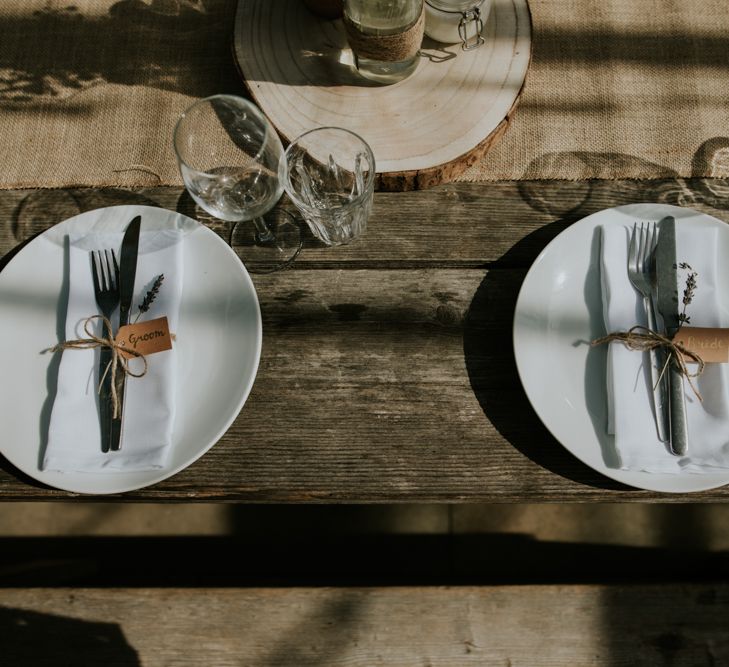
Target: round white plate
x,y
218,356
560,308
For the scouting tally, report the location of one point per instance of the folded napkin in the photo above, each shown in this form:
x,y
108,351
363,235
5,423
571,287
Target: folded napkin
x,y
630,413
74,437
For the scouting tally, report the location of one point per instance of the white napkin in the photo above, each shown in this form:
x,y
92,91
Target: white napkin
x,y
74,437
630,415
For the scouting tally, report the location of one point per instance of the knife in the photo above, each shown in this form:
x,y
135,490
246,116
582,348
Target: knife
x,y
668,305
127,274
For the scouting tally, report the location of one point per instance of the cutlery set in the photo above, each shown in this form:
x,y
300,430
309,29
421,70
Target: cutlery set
x,y
652,271
114,286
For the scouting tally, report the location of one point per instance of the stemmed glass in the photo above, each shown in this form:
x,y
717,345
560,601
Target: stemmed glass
x,y
232,163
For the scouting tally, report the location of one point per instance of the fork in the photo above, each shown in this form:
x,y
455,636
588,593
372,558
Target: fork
x,y
105,272
641,256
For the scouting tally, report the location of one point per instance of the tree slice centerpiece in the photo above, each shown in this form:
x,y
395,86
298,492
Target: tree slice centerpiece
x,y
423,130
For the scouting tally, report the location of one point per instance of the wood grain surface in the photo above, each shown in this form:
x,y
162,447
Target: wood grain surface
x,y
423,130
535,626
387,372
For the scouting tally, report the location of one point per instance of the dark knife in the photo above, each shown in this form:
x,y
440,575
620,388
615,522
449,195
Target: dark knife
x,y
668,307
127,274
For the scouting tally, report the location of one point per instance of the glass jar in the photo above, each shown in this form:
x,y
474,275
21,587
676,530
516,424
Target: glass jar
x,y
385,37
454,21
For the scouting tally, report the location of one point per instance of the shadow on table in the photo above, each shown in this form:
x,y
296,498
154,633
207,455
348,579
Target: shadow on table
x,y
242,234
41,209
184,49
311,51
580,198
487,347
326,559
328,555
31,638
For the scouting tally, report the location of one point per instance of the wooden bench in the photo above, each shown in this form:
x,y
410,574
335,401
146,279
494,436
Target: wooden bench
x,y
555,625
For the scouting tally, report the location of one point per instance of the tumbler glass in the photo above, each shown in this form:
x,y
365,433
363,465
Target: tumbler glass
x,y
330,177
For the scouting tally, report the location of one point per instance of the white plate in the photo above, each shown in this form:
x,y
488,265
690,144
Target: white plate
x,y
218,355
559,307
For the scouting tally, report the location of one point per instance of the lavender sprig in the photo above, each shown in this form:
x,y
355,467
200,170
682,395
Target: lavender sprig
x,y
151,296
688,292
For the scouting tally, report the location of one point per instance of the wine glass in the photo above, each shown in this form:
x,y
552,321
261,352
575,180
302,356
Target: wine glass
x,y
232,164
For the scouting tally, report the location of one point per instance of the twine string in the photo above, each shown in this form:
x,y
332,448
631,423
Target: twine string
x,y
118,360
641,338
388,48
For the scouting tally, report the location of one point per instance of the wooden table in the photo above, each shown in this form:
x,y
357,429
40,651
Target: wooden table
x,y
387,372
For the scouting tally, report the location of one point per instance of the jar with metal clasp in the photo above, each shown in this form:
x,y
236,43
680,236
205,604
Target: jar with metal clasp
x,y
454,21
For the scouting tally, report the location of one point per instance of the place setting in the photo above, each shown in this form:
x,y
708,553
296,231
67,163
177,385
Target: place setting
x,y
138,331
625,313
177,284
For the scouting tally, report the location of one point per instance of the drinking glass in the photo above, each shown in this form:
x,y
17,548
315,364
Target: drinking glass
x,y
232,164
385,37
330,177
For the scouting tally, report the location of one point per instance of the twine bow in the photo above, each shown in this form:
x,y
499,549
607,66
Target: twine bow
x,y
118,360
641,338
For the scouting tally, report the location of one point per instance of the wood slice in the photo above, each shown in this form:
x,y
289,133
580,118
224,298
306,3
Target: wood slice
x,y
424,130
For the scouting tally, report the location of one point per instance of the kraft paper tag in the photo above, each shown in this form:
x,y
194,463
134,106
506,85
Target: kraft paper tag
x,y
712,345
145,337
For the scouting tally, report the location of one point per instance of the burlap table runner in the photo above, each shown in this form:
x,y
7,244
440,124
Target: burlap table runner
x,y
90,92
620,89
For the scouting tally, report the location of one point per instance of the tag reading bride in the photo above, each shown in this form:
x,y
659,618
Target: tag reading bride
x,y
712,345
145,337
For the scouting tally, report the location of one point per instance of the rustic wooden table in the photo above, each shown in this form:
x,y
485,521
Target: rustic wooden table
x,y
387,372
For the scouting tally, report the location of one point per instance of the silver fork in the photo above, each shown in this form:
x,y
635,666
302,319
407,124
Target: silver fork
x,y
640,260
105,271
